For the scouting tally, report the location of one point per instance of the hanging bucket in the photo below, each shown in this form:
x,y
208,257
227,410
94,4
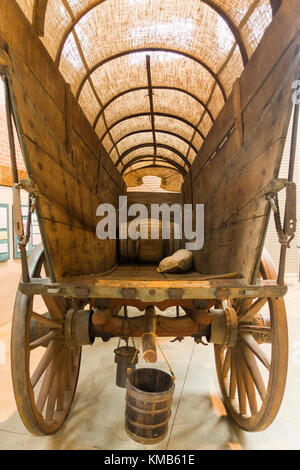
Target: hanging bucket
x,y
125,357
148,405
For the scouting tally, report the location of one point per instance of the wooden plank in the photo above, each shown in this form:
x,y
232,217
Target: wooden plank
x,y
53,121
231,200
62,153
221,128
60,187
211,177
153,291
68,118
31,89
70,236
148,340
85,142
257,105
38,15
277,38
234,220
284,28
238,112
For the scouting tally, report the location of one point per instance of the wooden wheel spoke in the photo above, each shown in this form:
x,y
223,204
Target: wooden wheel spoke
x,y
250,389
43,364
242,397
53,392
68,369
227,362
232,383
41,392
241,305
256,349
265,330
61,385
254,371
47,382
46,321
55,306
44,339
249,314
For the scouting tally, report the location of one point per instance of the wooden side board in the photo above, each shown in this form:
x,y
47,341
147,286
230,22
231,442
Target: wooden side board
x,y
62,153
153,292
241,157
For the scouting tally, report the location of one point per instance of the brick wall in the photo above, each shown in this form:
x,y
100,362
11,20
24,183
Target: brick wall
x,y
5,165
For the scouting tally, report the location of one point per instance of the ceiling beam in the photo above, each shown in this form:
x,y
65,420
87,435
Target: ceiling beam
x,y
211,3
148,67
140,88
233,27
151,49
150,144
158,131
154,167
39,15
147,158
171,116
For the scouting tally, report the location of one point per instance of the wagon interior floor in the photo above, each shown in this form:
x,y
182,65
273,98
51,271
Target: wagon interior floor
x,y
148,272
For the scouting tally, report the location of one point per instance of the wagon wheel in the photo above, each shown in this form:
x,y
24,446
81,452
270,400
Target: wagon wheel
x,y
252,374
44,370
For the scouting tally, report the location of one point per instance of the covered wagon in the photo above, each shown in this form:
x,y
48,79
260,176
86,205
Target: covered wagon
x,y
199,93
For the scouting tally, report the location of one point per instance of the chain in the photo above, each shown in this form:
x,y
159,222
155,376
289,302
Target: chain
x,y
274,202
125,317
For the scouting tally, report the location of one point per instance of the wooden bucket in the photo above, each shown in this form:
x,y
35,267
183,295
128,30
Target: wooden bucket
x,y
149,395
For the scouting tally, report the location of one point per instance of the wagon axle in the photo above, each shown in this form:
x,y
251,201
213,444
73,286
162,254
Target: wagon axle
x,y
219,326
249,336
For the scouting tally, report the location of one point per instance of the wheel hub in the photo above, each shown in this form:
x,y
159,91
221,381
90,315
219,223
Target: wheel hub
x,y
224,327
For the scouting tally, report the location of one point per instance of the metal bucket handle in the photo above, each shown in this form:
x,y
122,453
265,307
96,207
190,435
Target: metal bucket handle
x,y
129,369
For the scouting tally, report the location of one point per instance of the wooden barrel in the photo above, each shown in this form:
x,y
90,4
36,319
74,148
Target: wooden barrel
x,y
149,395
149,250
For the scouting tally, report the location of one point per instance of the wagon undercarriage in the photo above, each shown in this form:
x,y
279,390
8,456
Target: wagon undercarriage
x,y
229,313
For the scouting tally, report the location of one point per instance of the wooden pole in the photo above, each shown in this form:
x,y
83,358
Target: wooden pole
x,y
149,343
293,151
184,326
151,105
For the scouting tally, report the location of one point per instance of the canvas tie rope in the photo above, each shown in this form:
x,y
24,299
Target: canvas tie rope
x,y
163,354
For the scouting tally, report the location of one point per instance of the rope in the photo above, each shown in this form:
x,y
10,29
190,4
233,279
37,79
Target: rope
x,y
163,354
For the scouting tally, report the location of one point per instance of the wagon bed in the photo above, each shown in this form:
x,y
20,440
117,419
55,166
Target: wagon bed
x,y
143,282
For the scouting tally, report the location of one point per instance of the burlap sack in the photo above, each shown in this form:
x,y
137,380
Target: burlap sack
x,y
180,262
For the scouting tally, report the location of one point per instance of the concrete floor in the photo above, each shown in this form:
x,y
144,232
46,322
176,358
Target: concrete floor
x,y
198,418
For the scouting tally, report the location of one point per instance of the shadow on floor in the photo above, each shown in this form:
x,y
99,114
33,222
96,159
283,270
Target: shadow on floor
x,y
98,423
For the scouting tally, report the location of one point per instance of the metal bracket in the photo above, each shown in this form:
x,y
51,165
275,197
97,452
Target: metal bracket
x,y
290,217
198,340
29,185
286,233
